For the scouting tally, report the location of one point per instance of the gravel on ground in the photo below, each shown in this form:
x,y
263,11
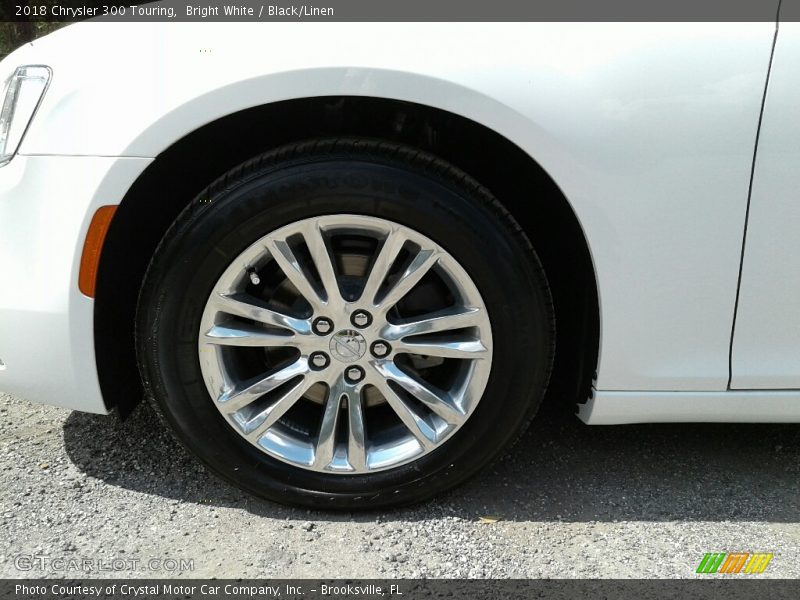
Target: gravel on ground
x,y
573,501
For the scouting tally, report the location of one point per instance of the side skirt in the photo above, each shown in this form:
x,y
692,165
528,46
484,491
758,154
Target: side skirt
x,y
618,408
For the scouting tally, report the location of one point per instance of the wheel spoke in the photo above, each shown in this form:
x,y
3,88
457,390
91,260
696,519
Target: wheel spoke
x,y
436,400
419,428
356,441
235,334
294,272
467,350
422,263
248,307
326,443
249,391
322,260
383,262
445,320
277,409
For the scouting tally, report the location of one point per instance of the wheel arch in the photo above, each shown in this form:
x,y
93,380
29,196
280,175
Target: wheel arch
x,y
184,168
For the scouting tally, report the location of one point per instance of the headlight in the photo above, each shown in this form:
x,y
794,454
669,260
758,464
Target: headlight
x,y
24,91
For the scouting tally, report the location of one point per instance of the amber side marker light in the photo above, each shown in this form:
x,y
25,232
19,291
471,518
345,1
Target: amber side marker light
x,y
92,246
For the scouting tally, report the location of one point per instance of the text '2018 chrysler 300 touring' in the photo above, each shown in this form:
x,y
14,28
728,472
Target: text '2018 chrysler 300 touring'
x,y
348,278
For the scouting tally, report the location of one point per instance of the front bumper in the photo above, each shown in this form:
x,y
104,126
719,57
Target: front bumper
x,y
46,324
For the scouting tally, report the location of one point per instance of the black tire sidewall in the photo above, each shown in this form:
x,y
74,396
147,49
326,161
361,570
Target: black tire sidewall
x,y
460,218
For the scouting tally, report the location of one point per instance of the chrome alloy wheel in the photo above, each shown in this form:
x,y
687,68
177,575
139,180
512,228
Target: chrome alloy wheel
x,y
345,344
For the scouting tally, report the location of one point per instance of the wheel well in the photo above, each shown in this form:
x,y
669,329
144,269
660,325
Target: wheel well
x,y
185,168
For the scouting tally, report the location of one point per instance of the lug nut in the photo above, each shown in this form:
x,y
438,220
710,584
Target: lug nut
x,y
361,318
354,374
319,360
322,326
380,349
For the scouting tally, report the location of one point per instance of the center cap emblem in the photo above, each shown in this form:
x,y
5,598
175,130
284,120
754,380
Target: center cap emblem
x,y
348,345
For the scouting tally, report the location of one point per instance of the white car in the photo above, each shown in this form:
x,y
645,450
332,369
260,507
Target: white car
x,y
344,261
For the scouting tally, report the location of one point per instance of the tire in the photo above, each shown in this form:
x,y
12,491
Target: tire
x,y
341,184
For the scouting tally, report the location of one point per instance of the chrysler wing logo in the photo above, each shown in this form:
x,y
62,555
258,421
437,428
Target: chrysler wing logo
x,y
348,345
734,562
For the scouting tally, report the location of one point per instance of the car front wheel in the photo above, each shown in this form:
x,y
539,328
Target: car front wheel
x,y
345,324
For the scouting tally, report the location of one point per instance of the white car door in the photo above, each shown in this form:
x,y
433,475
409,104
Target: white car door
x,y
765,350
